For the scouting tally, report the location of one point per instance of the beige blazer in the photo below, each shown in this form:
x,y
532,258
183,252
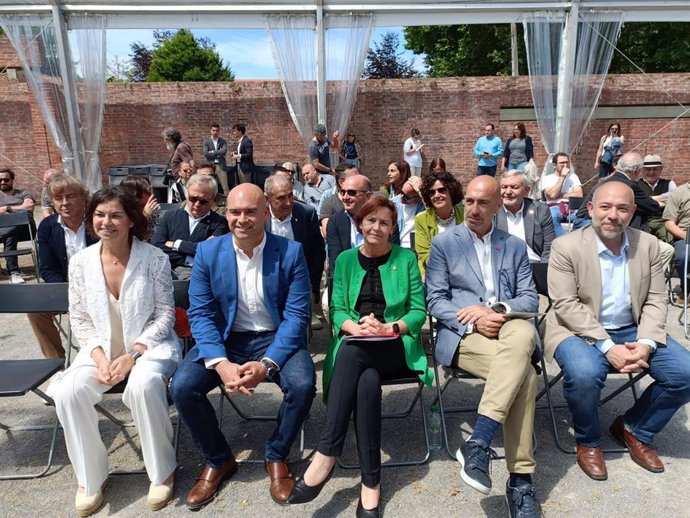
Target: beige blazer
x,y
575,288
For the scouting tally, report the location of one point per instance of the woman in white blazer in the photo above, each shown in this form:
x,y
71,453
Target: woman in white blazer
x,y
122,314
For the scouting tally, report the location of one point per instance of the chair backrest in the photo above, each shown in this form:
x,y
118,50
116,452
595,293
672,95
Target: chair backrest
x,y
539,274
15,219
34,298
181,294
575,202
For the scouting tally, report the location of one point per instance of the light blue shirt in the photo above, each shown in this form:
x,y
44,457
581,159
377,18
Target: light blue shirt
x,y
492,145
616,306
325,195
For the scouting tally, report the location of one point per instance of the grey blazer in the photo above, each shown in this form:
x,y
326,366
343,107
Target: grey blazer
x,y
454,281
211,154
539,231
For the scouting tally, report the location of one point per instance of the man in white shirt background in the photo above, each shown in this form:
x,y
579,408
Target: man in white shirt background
x,y
558,188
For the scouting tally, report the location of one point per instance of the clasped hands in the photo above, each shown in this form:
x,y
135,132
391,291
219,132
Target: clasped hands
x,y
241,378
630,357
369,326
112,372
485,320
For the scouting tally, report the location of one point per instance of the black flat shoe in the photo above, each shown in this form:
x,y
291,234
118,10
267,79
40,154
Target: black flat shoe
x,y
367,513
302,493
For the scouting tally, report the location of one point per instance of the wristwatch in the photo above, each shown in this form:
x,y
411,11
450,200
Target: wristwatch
x,y
135,355
270,367
396,328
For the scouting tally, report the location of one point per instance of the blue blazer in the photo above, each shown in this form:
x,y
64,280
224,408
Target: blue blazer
x,y
306,230
213,297
454,280
52,252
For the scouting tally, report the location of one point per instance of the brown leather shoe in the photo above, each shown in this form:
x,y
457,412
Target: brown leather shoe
x,y
643,454
208,483
591,461
282,481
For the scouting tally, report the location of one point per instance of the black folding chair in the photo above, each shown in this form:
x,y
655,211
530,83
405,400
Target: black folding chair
x,y
19,219
17,377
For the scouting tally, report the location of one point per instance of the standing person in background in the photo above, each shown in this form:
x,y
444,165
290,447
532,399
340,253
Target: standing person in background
x,y
181,151
351,151
215,149
488,150
610,146
519,150
47,208
244,156
412,152
320,149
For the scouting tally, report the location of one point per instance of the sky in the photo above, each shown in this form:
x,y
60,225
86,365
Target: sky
x,y
247,51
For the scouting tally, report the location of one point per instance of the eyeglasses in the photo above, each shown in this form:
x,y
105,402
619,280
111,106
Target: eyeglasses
x,y
350,192
198,199
186,170
440,190
563,163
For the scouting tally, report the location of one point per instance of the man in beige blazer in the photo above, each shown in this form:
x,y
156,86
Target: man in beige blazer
x,y
607,285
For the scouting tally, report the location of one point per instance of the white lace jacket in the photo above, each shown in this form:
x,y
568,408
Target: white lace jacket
x,y
146,303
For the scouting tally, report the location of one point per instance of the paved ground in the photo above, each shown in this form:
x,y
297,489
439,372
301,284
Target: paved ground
x,y
434,488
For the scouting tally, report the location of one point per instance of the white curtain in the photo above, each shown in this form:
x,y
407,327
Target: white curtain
x,y
293,41
596,38
91,67
346,51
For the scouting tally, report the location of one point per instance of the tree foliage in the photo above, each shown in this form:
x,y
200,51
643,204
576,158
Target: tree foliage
x,y
385,62
141,55
465,50
654,47
182,57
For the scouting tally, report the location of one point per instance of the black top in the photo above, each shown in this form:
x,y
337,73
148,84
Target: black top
x,y
371,299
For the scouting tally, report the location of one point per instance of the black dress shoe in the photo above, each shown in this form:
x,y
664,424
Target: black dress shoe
x,y
367,513
302,493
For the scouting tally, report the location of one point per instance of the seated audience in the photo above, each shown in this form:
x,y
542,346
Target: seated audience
x,y
609,313
60,236
408,204
524,218
47,208
177,192
315,184
377,290
14,200
208,169
249,311
140,188
330,202
476,276
437,165
558,187
180,230
288,170
677,220
398,173
442,193
121,312
659,189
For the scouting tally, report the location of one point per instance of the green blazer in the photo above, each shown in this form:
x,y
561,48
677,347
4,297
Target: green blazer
x,y
426,227
404,294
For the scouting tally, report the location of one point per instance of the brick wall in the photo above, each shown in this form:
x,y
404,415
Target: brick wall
x,y
449,112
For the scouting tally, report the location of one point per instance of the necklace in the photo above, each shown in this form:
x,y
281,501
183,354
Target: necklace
x,y
446,221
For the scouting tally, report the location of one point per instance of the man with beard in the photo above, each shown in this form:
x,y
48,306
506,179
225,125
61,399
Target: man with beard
x,y
14,200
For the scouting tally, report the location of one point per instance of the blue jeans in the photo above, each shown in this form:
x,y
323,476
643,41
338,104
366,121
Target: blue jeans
x,y
486,170
193,381
519,166
584,373
558,218
679,258
580,222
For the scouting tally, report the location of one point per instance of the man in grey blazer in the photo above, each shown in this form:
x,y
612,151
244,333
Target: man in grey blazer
x,y
215,149
527,219
476,276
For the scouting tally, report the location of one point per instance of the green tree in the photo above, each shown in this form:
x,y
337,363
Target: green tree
x,y
654,47
385,62
184,58
465,50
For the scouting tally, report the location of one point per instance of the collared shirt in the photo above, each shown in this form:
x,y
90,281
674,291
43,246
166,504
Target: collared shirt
x,y
356,237
616,306
516,227
193,222
672,185
409,213
252,313
74,241
282,228
215,143
483,249
239,143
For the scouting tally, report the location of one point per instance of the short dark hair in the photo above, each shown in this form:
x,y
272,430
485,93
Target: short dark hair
x,y
206,165
129,204
137,185
449,182
554,160
241,128
490,124
9,171
215,125
414,132
375,203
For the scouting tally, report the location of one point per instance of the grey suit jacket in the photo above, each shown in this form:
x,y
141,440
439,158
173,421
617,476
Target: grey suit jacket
x,y
454,281
212,154
539,231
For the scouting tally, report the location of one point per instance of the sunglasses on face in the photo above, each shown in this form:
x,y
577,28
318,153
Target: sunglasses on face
x,y
440,190
5,180
350,192
198,199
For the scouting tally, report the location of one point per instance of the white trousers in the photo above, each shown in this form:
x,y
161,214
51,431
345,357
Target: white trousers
x,y
145,395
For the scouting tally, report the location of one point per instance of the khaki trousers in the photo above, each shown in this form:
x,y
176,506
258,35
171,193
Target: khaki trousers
x,y
666,252
47,334
511,386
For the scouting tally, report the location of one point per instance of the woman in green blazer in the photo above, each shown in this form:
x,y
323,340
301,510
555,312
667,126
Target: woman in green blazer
x,y
442,193
378,297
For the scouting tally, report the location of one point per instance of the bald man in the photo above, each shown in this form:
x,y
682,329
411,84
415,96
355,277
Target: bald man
x,y
250,309
475,277
609,312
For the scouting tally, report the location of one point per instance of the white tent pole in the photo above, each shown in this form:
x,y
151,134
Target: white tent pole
x,y
320,63
566,70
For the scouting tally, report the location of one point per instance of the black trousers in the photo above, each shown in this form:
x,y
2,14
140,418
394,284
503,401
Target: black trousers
x,y
356,387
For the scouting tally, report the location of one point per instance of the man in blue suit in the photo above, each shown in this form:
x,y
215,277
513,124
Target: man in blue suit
x,y
476,276
246,332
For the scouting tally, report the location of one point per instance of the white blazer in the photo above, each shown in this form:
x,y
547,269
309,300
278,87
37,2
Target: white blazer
x,y
146,303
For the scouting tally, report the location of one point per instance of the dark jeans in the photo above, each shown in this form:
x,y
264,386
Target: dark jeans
x,y
605,169
486,170
356,385
585,370
193,381
9,237
679,259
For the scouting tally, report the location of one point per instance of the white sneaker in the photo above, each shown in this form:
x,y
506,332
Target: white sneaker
x,y
16,278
